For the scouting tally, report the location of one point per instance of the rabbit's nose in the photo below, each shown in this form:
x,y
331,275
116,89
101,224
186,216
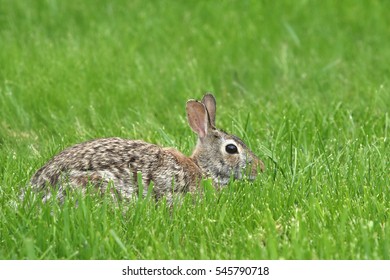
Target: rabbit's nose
x,y
257,166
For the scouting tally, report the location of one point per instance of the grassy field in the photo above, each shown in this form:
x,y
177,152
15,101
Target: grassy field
x,y
304,83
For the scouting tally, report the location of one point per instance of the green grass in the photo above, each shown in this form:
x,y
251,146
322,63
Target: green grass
x,y
304,83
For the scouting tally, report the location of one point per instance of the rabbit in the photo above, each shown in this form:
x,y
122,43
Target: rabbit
x,y
115,162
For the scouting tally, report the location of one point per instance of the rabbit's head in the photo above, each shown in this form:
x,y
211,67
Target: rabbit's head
x,y
220,155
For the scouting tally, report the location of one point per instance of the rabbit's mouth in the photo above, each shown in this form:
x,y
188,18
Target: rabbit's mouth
x,y
249,172
245,174
251,177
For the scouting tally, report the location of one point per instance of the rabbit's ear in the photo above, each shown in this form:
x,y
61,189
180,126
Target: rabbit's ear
x,y
211,105
197,117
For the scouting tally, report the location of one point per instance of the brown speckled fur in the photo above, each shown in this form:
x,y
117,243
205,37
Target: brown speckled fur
x,y
101,161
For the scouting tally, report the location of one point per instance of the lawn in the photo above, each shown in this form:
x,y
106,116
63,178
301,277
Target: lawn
x,y
304,83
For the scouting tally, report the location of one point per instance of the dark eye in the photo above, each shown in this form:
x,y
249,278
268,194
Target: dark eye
x,y
231,149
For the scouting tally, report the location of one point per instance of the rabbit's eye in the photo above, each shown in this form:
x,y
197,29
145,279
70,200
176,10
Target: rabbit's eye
x,y
231,149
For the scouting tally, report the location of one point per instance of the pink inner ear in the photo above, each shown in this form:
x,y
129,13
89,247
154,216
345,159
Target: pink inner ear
x,y
197,118
200,128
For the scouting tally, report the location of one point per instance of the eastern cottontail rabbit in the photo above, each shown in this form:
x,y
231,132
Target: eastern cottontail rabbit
x,y
217,155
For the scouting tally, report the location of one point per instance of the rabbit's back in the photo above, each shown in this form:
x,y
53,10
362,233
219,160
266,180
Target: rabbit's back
x,y
101,161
